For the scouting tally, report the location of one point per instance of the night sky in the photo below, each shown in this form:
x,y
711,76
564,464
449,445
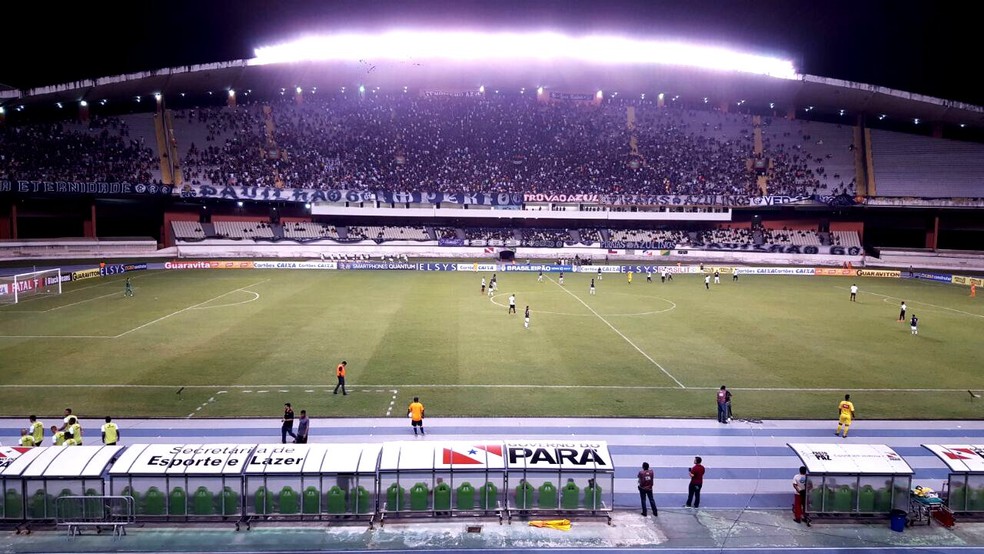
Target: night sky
x,y
904,44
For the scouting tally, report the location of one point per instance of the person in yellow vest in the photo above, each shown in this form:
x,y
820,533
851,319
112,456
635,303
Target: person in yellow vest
x,y
26,439
846,409
75,429
71,440
57,437
415,411
37,430
110,432
629,276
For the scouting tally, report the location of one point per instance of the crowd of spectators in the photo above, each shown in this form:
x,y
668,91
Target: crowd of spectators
x,y
408,143
101,151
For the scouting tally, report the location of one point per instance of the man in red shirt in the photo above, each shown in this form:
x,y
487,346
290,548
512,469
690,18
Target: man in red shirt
x,y
696,482
646,489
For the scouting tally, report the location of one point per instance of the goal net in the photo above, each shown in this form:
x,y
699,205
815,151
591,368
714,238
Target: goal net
x,y
16,288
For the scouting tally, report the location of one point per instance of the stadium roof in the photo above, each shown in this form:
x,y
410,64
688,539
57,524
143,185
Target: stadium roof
x,y
691,84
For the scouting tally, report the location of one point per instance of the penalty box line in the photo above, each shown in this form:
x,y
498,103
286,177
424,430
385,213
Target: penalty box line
x,y
619,333
137,328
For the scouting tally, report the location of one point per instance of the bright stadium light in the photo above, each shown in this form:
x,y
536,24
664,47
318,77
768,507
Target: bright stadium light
x,y
297,90
157,96
83,103
481,89
599,94
661,96
406,45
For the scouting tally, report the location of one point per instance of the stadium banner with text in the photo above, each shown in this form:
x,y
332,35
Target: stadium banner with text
x,y
938,277
85,274
776,271
404,266
75,187
477,267
835,271
477,198
437,266
271,194
295,265
546,268
887,273
114,269
598,268
209,264
450,242
967,281
657,269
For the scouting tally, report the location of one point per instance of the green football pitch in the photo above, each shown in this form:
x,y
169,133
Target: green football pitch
x,y
242,342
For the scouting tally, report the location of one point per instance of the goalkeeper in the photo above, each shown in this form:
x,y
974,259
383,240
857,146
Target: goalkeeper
x,y
127,288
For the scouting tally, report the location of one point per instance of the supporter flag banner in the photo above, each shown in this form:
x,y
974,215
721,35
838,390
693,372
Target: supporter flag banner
x,y
271,194
75,187
478,198
784,248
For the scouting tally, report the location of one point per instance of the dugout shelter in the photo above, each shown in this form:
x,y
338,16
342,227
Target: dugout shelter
x,y
854,479
312,481
182,481
964,487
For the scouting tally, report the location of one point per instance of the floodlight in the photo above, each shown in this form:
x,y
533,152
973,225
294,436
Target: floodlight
x,y
297,90
2,111
362,89
511,47
599,94
481,89
232,93
157,96
539,90
661,96
59,104
916,121
307,205
239,203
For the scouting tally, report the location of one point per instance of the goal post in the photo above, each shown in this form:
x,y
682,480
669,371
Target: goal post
x,y
15,288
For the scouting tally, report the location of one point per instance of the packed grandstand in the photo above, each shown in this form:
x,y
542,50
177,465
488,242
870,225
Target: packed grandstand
x,y
438,164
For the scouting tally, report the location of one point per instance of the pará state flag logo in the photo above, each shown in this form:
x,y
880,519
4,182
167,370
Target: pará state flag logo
x,y
473,454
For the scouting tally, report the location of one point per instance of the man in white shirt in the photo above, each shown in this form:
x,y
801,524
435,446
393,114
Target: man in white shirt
x,y
854,293
512,303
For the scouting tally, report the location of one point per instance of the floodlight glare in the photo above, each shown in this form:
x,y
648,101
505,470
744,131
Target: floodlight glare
x,y
59,104
661,96
539,90
2,111
916,121
157,96
232,93
297,90
481,89
362,88
544,47
240,203
599,94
